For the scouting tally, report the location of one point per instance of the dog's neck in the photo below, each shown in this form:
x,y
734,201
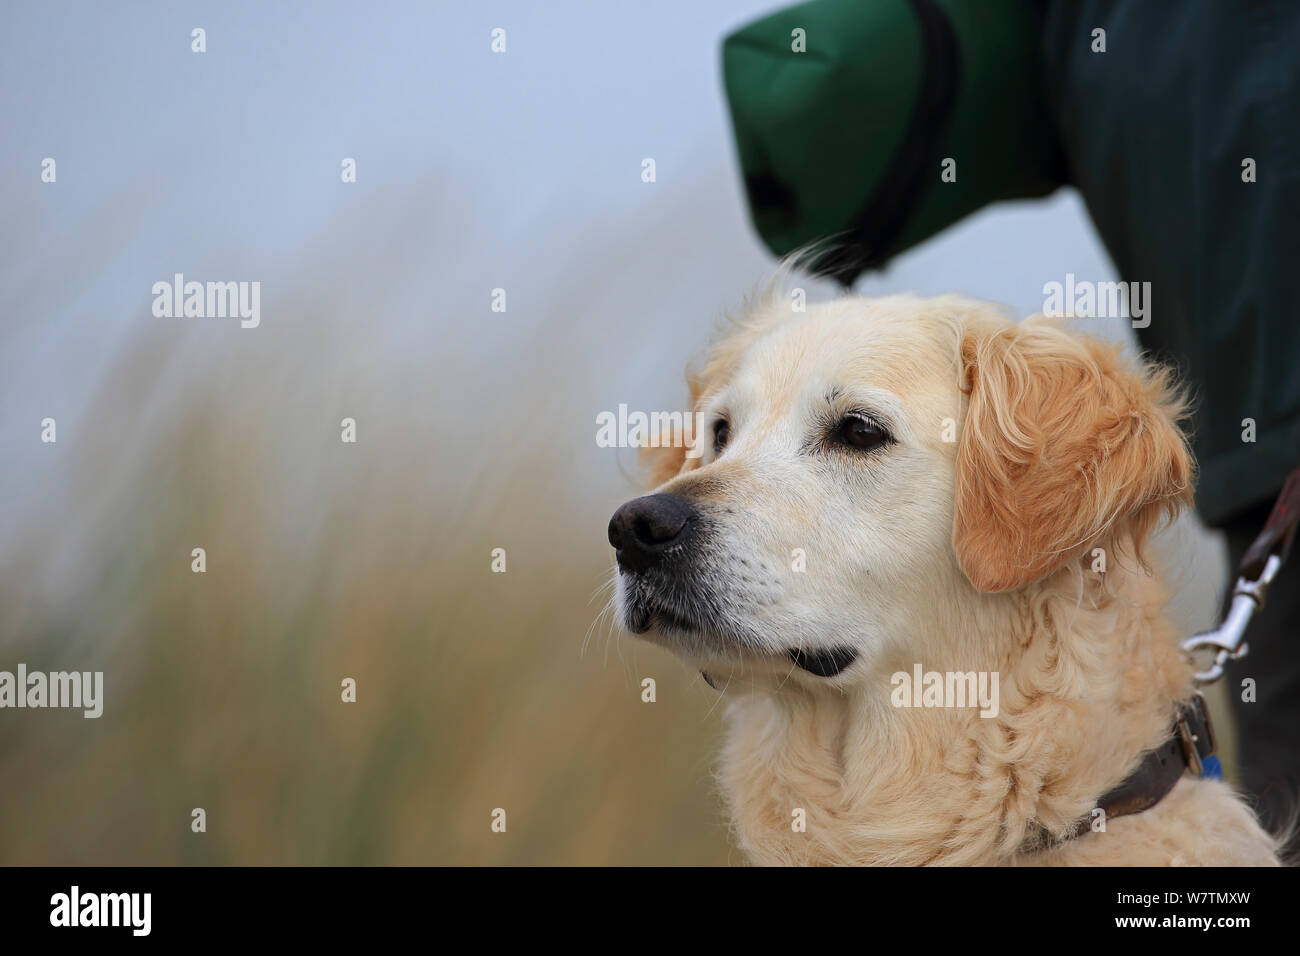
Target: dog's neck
x,y
1088,675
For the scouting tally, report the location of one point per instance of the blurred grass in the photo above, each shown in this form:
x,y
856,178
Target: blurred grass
x,y
328,560
223,688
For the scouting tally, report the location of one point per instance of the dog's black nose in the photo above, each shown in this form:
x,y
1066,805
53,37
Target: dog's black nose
x,y
644,528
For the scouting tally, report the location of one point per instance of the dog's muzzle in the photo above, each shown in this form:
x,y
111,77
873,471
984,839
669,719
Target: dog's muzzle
x,y
653,537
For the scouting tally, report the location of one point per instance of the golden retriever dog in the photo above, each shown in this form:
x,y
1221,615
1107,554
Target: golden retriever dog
x,y
894,486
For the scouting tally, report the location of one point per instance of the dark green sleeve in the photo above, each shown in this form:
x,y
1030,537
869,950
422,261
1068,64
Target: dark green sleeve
x,y
842,129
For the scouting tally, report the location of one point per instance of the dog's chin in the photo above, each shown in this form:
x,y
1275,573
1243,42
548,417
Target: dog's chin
x,y
708,644
693,634
658,622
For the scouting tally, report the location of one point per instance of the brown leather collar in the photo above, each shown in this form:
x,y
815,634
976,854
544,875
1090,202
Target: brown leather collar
x,y
1189,743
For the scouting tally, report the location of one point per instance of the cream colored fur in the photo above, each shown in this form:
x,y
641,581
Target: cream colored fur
x,y
974,554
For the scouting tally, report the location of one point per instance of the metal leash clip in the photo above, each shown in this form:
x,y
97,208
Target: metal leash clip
x,y
1227,640
1259,566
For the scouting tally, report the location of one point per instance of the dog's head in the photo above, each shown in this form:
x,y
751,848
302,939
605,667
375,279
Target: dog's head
x,y
869,466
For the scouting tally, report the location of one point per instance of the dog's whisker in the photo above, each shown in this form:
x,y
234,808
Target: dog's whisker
x,y
606,614
720,695
606,585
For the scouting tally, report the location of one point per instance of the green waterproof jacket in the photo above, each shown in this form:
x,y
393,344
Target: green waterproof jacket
x,y
1178,122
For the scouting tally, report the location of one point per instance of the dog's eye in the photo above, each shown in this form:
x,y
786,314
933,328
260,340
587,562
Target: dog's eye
x,y
860,433
721,432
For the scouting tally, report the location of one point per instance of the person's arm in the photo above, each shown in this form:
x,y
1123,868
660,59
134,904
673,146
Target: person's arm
x,y
844,113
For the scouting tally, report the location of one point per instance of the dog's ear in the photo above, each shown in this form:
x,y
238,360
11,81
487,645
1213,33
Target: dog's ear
x,y
1063,444
664,462
669,461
